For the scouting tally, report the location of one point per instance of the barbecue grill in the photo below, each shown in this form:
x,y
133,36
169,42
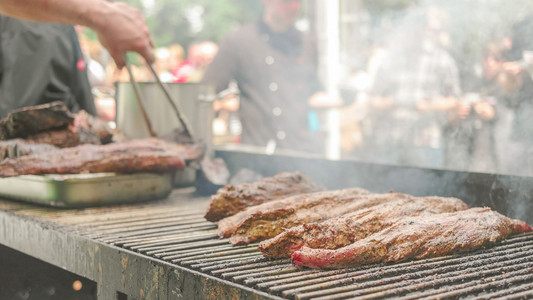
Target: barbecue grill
x,y
167,250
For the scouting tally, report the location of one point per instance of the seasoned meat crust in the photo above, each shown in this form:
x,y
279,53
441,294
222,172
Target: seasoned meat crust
x,y
33,119
147,155
269,219
346,229
64,138
418,237
19,147
232,199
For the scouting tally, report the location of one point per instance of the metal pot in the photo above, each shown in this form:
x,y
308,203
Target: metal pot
x,y
194,99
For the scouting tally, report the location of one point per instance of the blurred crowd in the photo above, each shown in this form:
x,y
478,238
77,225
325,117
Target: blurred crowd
x,y
409,106
412,109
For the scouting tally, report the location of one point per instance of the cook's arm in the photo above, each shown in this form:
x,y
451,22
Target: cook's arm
x,y
120,27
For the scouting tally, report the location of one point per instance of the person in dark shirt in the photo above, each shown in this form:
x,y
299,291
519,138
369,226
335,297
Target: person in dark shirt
x,y
275,67
119,26
41,63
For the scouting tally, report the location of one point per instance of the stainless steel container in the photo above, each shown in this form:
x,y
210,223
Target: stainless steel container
x,y
72,190
194,99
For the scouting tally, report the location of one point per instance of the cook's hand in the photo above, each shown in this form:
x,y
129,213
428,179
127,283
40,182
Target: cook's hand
x,y
122,28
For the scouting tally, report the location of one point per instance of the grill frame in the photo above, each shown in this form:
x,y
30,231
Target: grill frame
x,y
207,267
151,267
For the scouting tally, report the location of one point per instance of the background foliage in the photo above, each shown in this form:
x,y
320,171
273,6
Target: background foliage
x,y
184,21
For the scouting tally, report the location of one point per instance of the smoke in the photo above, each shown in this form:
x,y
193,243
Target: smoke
x,y
437,100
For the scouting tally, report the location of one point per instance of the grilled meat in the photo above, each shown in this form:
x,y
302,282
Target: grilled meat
x,y
418,237
64,138
269,219
33,119
19,147
346,229
232,199
99,127
147,155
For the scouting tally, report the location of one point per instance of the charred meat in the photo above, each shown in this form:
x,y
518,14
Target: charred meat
x,y
99,128
232,199
346,229
147,155
418,237
64,138
267,220
30,120
19,147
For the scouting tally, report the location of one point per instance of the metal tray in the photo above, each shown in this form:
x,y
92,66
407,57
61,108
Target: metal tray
x,y
74,190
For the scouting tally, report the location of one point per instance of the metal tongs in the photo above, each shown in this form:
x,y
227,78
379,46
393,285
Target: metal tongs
x,y
186,135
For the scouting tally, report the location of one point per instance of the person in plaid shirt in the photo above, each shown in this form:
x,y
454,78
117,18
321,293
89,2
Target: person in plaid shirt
x,y
416,85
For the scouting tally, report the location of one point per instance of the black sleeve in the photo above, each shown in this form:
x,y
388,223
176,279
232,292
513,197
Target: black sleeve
x,y
80,86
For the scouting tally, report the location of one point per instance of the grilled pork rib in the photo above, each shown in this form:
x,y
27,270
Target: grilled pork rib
x,y
33,119
19,147
232,199
346,229
65,138
418,237
267,220
147,155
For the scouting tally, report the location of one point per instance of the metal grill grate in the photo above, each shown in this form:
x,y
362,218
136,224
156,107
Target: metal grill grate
x,y
183,237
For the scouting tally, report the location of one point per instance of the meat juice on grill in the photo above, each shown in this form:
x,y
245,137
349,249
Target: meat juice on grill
x,y
418,237
146,155
344,230
232,199
267,220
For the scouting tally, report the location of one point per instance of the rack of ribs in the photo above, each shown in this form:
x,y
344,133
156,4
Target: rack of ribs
x,y
418,237
232,199
19,147
346,229
146,155
33,119
269,219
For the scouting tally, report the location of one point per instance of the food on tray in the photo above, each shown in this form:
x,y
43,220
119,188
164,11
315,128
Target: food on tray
x,y
29,120
346,229
99,127
55,125
64,138
269,219
232,199
146,155
418,237
19,147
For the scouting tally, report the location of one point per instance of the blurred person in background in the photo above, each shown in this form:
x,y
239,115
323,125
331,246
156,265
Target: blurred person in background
x,y
40,62
469,142
275,67
416,85
163,64
102,85
200,55
513,75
